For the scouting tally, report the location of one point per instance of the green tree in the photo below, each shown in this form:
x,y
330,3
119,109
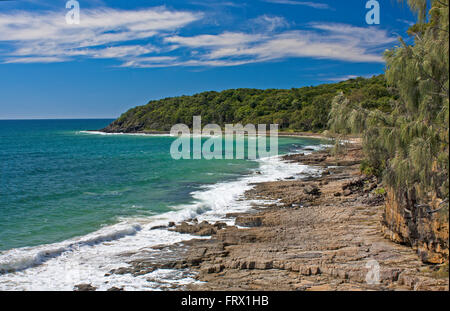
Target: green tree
x,y
408,146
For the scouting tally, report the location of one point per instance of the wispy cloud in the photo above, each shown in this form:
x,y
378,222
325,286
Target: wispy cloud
x,y
215,4
269,23
404,21
151,38
363,36
36,35
225,39
321,41
315,5
27,60
348,77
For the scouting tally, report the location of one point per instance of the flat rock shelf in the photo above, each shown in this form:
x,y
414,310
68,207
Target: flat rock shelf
x,y
321,233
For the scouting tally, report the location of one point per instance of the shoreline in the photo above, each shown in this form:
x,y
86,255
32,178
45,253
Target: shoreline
x,y
274,245
352,139
314,234
280,134
123,241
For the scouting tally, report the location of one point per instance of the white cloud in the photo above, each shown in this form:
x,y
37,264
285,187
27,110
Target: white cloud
x,y
27,60
153,61
348,77
218,4
407,22
126,36
366,36
323,41
341,78
35,35
315,5
121,51
269,23
220,40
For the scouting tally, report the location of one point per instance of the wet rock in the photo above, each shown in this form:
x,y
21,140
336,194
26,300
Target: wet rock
x,y
206,231
232,215
158,227
184,227
84,288
201,229
121,270
220,225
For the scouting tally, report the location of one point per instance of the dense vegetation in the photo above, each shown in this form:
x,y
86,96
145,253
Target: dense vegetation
x,y
409,145
297,109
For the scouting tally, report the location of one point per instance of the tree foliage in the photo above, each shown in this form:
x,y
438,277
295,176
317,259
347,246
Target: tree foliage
x,y
297,109
409,145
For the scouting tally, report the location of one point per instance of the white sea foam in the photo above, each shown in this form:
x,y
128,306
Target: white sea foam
x,y
311,149
128,134
87,259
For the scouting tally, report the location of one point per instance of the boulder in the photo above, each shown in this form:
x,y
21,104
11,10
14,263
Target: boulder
x,y
84,288
312,190
249,221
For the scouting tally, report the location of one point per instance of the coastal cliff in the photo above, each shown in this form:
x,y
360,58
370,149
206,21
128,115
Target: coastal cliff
x,y
423,227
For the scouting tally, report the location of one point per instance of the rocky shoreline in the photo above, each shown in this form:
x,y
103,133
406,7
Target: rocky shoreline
x,y
323,233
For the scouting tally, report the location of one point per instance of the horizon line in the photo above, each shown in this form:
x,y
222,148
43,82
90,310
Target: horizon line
x,y
62,118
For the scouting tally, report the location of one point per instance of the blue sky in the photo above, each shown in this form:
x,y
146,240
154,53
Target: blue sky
x,y
124,53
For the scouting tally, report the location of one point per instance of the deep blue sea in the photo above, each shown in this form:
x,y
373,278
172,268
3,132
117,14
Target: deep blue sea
x,y
59,183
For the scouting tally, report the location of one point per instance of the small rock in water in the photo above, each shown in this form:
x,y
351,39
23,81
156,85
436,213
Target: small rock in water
x,y
202,229
158,227
84,288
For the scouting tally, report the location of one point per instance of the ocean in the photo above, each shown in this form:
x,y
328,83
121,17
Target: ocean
x,y
72,200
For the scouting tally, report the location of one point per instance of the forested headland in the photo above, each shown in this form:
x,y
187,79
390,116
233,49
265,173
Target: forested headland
x,y
296,109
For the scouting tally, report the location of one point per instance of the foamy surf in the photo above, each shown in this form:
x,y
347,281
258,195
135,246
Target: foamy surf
x,y
127,134
87,259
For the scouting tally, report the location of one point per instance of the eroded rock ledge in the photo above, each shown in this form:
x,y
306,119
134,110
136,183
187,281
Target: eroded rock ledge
x,y
323,234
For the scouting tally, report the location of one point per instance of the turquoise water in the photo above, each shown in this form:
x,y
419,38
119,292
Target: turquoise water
x,y
57,182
